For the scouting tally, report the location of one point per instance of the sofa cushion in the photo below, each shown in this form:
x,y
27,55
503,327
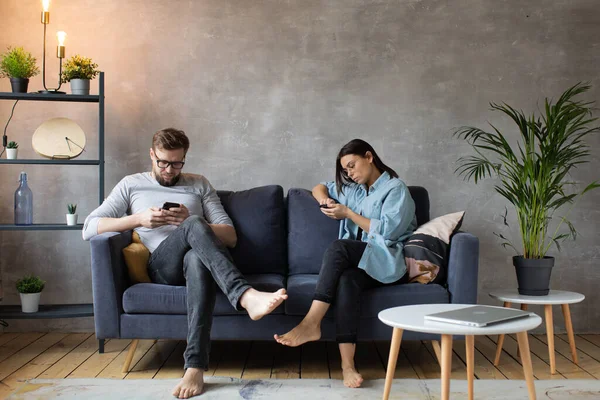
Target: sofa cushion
x,y
258,215
426,250
301,289
310,232
153,298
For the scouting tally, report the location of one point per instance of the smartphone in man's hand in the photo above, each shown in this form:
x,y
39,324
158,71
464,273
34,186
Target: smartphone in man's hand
x,y
168,205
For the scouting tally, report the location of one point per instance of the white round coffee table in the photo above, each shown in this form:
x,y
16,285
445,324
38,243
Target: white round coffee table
x,y
412,318
554,297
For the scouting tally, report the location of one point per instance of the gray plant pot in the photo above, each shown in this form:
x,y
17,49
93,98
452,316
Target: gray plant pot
x,y
533,275
80,86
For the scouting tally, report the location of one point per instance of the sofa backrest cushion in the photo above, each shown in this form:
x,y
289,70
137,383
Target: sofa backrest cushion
x,y
258,215
310,232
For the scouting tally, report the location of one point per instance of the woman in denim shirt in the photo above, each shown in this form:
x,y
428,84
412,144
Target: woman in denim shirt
x,y
377,215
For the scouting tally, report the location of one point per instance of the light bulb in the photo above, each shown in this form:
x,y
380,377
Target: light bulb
x,y
46,5
61,35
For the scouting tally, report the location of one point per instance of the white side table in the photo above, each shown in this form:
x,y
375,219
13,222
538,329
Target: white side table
x,y
412,318
552,298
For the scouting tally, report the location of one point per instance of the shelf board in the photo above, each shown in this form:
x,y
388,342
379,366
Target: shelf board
x,y
54,162
91,98
41,227
48,311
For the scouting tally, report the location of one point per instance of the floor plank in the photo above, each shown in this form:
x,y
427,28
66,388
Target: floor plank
x,y
594,339
114,369
94,364
60,355
563,353
7,337
153,360
459,368
563,365
313,363
233,360
484,368
45,360
368,362
585,346
404,369
424,364
286,363
28,353
22,340
541,369
75,358
260,360
217,348
508,366
173,367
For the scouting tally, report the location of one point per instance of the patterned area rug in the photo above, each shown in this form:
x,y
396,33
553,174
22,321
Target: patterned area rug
x,y
300,389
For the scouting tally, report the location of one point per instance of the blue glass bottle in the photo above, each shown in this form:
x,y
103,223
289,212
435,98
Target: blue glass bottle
x,y
23,202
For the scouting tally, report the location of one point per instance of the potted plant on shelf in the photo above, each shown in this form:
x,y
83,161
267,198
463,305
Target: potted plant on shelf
x,y
30,289
534,177
71,216
18,65
79,71
12,149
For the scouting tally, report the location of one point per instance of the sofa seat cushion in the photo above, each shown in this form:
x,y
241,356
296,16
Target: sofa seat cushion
x,y
301,289
152,298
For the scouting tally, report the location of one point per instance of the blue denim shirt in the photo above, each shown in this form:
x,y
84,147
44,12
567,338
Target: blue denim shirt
x,y
391,209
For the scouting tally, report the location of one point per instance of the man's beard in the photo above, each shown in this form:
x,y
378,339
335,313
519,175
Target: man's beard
x,y
161,181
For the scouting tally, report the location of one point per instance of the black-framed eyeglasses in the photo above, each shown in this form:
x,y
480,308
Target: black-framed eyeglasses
x,y
162,164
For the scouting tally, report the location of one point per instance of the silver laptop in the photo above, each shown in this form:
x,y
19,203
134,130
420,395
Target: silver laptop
x,y
478,316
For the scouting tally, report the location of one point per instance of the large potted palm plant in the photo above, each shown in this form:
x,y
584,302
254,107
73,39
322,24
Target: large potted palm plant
x,y
533,176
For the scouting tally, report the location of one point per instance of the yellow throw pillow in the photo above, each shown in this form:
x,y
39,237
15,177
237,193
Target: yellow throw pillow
x,y
136,258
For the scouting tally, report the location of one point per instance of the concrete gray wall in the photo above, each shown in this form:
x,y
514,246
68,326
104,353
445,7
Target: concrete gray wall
x,y
268,91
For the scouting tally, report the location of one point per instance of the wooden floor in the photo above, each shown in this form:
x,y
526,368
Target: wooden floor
x,y
62,355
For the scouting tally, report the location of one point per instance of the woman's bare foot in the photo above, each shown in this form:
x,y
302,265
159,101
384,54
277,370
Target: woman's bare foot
x,y
190,385
305,332
352,378
258,304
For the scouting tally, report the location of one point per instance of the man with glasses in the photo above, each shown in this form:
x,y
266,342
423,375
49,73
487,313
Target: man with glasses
x,y
187,244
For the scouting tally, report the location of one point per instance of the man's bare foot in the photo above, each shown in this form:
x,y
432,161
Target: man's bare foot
x,y
258,304
190,385
305,332
352,378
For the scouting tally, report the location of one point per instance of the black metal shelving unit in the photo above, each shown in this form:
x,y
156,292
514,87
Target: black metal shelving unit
x,y
59,310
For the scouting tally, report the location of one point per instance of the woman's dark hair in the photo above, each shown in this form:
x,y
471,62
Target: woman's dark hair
x,y
360,148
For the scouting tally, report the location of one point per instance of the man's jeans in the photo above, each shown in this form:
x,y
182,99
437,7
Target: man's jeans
x,y
194,256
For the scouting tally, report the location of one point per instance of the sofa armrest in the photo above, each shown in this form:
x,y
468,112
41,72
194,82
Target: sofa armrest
x,y
109,281
463,268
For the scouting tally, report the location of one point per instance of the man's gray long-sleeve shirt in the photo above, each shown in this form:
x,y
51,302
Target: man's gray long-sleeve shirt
x,y
136,193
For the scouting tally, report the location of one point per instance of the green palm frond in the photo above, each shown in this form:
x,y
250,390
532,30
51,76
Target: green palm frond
x,y
533,174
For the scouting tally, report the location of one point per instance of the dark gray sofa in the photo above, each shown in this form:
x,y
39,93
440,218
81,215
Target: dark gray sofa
x,y
281,241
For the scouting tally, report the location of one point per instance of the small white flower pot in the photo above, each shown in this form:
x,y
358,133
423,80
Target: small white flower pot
x,y
30,302
71,219
11,154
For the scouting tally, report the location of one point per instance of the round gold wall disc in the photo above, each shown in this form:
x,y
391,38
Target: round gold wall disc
x,y
59,138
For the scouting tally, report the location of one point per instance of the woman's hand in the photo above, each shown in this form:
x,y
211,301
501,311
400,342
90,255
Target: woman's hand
x,y
335,210
328,201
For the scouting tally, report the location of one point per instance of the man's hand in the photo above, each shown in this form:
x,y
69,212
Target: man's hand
x,y
175,216
335,210
152,218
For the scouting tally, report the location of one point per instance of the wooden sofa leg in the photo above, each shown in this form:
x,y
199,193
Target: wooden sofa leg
x,y
130,354
436,349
